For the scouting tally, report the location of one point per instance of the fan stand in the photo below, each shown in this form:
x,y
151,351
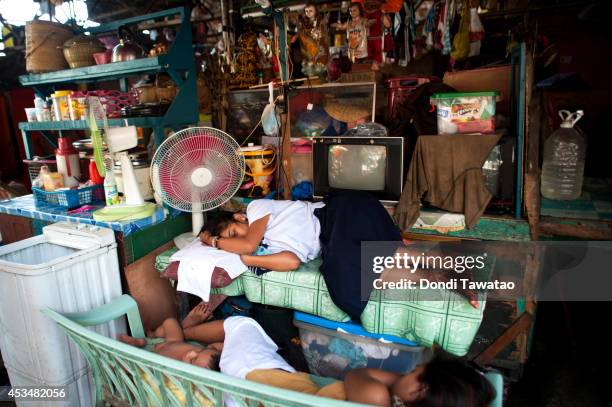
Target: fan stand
x,y
200,178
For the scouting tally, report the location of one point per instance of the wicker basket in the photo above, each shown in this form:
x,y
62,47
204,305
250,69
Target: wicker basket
x,y
44,40
79,50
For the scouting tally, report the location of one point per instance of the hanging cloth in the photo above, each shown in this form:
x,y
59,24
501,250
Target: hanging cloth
x,y
461,42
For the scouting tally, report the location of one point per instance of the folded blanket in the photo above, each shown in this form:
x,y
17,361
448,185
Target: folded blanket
x,y
197,263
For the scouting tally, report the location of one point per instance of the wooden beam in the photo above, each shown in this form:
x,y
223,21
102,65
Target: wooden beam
x,y
577,228
532,158
520,325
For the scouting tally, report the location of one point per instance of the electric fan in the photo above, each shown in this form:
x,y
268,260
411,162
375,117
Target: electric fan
x,y
196,170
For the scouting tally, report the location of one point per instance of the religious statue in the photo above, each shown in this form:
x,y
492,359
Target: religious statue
x,y
356,33
314,40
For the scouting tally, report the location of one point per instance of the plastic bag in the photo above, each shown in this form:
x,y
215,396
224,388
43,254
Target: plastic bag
x,y
367,130
270,120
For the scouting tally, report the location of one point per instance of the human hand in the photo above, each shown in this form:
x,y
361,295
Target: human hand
x,y
206,238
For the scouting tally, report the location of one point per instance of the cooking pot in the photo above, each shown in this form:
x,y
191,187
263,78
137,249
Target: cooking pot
x,y
127,49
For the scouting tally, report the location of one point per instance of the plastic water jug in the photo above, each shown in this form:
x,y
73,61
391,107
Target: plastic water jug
x,y
564,154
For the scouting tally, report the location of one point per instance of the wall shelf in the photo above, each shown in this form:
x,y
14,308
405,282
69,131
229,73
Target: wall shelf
x,y
178,63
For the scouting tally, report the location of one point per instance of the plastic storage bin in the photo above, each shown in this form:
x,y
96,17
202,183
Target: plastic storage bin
x,y
301,161
469,112
69,268
333,348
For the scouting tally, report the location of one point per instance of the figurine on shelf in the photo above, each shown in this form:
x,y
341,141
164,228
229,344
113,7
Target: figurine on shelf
x,y
356,32
314,41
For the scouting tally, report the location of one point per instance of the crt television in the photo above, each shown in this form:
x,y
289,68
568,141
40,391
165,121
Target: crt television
x,y
372,164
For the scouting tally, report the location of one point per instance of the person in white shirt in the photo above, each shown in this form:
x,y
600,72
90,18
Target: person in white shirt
x,y
289,230
246,352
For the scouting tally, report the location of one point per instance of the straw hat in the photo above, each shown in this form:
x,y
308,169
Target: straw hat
x,y
346,113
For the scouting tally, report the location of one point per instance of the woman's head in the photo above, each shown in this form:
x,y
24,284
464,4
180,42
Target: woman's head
x,y
227,224
442,383
355,10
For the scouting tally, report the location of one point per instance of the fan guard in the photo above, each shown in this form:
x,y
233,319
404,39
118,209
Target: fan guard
x,y
197,169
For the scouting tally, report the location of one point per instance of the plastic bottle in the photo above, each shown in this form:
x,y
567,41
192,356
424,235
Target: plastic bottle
x,y
564,155
110,188
68,163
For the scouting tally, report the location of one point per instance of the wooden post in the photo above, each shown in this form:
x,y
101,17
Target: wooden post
x,y
284,168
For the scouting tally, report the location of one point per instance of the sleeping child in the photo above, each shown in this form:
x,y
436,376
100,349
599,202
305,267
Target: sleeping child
x,y
240,348
295,232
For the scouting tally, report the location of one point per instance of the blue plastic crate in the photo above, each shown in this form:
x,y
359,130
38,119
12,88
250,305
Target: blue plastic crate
x,y
71,198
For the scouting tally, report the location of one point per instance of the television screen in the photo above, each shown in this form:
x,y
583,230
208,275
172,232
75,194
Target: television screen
x,y
361,167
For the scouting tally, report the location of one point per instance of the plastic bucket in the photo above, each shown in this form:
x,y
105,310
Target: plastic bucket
x,y
259,171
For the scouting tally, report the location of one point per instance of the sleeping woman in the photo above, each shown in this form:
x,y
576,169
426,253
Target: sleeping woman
x,y
294,232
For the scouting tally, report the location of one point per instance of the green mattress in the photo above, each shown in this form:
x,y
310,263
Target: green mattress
x,y
450,322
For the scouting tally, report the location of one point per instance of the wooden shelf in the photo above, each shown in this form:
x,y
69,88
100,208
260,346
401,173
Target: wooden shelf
x,y
82,124
115,70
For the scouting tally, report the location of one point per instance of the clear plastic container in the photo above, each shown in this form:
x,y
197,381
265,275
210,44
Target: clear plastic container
x,y
332,348
564,155
468,112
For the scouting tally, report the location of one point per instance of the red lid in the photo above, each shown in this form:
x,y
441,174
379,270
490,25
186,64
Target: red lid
x,y
64,147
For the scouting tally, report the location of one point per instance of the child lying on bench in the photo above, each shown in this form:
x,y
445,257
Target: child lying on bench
x,y
239,347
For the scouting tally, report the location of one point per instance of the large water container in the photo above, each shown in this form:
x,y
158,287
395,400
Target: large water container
x,y
564,154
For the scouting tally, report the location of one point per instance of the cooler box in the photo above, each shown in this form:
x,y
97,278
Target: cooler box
x,y
69,268
333,348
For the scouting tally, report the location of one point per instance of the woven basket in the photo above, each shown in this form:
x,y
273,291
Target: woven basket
x,y
79,50
345,112
43,46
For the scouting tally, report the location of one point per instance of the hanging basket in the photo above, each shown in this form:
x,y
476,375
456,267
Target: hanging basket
x,y
44,40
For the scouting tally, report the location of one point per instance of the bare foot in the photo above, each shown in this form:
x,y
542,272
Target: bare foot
x,y
139,342
200,313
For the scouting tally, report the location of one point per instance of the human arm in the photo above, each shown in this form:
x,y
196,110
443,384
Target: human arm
x,y
281,261
208,332
370,386
339,26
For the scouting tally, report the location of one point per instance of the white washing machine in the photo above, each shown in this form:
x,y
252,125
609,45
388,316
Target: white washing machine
x,y
70,268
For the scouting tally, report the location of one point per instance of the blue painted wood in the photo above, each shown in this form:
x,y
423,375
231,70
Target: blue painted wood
x,y
94,73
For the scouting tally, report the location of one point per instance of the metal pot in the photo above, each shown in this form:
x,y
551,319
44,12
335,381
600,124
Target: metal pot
x,y
127,49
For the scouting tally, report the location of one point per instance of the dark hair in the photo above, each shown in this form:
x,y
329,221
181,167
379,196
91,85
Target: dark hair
x,y
358,5
453,383
214,361
217,223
